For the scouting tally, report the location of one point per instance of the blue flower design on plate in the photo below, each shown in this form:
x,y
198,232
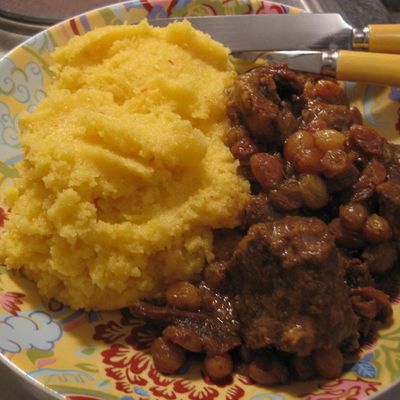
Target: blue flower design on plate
x,y
24,85
157,12
8,127
32,330
139,390
365,368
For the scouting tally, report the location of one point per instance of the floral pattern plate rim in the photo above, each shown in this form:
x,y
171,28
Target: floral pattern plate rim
x,y
65,353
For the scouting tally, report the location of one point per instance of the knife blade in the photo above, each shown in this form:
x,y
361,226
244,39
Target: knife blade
x,y
302,60
303,31
376,68
273,32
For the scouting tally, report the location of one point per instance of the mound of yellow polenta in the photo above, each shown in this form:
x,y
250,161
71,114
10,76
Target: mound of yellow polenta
x,y
125,171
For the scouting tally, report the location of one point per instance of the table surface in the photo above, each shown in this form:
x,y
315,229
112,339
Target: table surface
x,y
358,13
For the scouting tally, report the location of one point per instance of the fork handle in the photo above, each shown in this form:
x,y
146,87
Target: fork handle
x,y
379,68
384,38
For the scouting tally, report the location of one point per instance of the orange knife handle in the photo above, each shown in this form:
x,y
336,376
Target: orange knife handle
x,y
382,69
384,38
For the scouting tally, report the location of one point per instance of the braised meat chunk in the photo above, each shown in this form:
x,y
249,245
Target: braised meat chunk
x,y
288,289
212,329
259,101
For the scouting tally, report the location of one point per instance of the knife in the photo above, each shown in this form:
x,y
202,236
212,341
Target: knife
x,y
301,31
377,68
